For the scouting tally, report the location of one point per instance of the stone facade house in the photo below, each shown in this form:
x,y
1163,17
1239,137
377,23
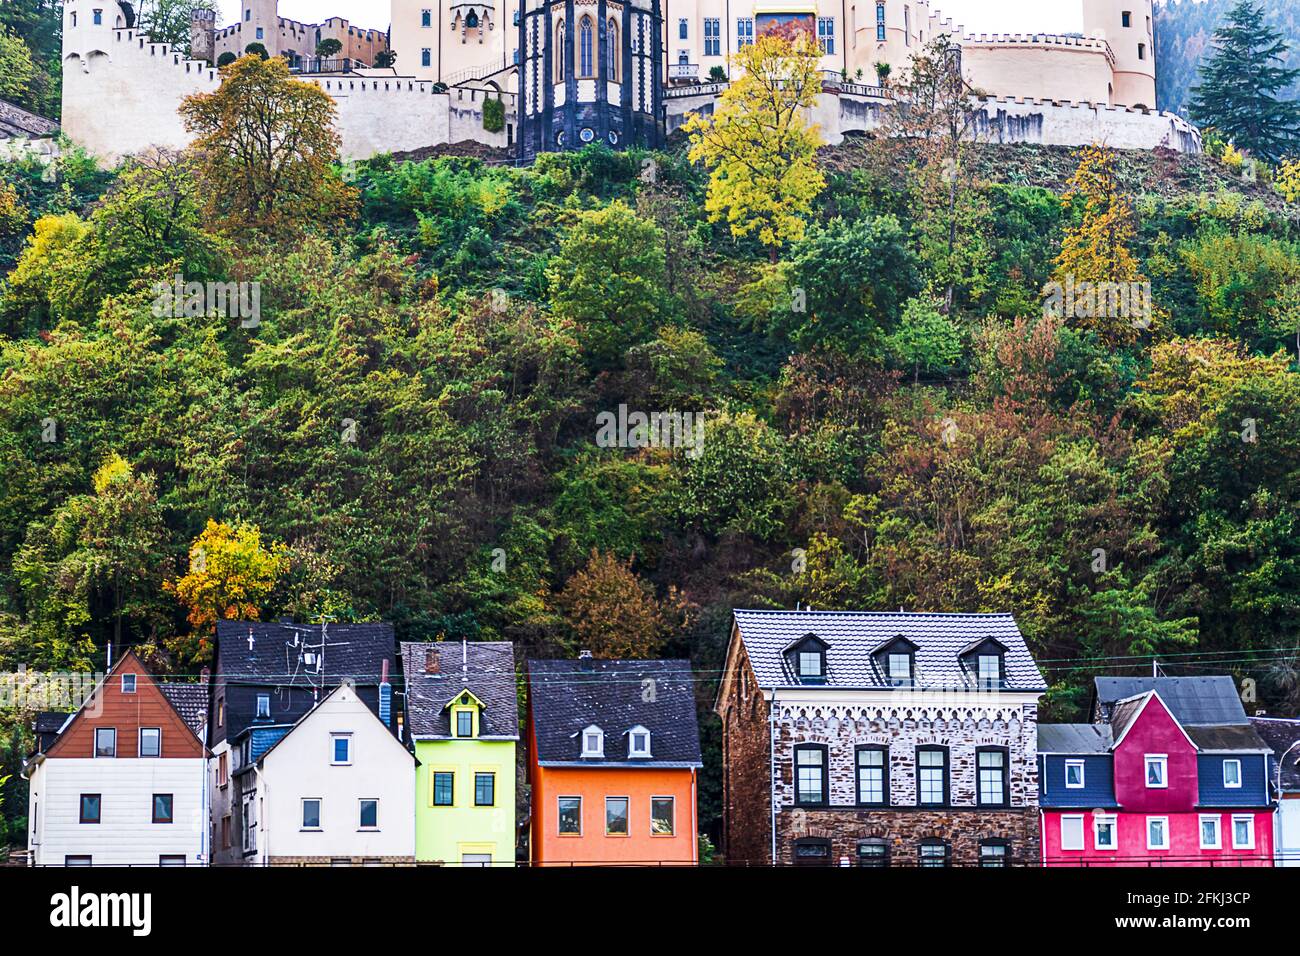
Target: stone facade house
x,y
879,739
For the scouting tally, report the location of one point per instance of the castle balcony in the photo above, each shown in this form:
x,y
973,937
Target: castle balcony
x,y
307,65
684,72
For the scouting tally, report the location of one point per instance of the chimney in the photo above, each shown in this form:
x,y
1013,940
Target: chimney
x,y
205,675
585,660
385,697
431,660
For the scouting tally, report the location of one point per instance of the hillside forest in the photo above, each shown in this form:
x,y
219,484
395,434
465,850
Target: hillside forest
x,y
897,411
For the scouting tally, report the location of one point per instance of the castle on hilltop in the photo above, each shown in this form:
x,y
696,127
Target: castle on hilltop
x,y
623,72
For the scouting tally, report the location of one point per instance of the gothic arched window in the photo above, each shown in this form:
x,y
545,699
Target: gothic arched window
x,y
584,61
611,50
471,20
559,53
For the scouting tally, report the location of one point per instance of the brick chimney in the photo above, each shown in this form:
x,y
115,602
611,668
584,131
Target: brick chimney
x,y
431,660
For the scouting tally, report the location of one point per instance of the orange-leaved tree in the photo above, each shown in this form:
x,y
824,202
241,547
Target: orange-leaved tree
x,y
265,150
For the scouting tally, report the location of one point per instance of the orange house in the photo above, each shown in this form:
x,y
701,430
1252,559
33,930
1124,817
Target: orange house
x,y
614,761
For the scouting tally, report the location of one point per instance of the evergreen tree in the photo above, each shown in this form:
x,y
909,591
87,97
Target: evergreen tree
x,y
1237,94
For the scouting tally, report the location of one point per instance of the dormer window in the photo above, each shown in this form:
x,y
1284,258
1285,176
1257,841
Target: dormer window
x,y
896,660
808,658
985,661
465,713
638,742
593,742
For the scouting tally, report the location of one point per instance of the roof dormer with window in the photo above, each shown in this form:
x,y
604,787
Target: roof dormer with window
x,y
638,743
466,710
985,663
896,659
807,658
593,741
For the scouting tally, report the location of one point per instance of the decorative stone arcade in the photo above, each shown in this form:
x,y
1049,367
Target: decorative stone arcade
x,y
589,71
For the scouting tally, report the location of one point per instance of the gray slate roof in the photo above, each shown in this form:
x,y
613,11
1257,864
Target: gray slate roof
x,y
486,668
1073,738
18,122
353,651
565,697
852,636
1280,734
190,701
1226,737
1192,700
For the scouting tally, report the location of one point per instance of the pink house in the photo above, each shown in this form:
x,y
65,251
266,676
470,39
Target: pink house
x,y
1142,787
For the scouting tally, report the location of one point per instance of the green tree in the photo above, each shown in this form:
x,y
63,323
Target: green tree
x,y
17,70
608,278
1239,85
849,280
926,339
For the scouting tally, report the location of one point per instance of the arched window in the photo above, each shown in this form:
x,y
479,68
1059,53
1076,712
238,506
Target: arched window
x,y
611,50
584,56
471,20
559,52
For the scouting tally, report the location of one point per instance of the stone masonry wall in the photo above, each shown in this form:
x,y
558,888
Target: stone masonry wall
x,y
902,728
746,770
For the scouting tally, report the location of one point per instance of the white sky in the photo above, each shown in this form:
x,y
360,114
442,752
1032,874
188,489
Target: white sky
x,y
978,15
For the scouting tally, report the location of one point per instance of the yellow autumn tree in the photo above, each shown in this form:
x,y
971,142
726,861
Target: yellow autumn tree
x,y
759,149
230,575
1095,252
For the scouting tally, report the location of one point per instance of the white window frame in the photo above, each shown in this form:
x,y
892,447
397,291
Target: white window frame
x,y
1110,821
134,683
258,711
361,828
638,733
334,739
1164,828
599,749
1249,820
302,814
1203,819
1075,763
1226,784
1163,761
1072,819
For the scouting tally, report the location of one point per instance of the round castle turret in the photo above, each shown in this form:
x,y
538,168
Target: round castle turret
x,y
1129,27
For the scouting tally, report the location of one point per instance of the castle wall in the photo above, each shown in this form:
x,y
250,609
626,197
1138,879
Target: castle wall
x,y
1049,71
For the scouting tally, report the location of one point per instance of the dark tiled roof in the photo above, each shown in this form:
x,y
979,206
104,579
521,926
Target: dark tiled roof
x,y
18,122
1124,712
50,721
1073,738
567,696
487,669
1280,734
352,651
190,701
1192,700
852,637
1226,737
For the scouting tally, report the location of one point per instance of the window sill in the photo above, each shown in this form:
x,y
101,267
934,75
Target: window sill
x,y
311,829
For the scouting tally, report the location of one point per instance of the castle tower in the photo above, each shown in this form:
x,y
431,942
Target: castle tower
x,y
589,73
260,23
1129,27
203,30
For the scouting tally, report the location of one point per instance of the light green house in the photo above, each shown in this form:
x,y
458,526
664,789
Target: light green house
x,y
462,716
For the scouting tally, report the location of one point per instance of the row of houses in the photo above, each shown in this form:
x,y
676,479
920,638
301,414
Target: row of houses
x,y
848,738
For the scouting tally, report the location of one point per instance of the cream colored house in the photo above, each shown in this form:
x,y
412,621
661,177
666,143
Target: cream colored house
x,y
337,789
